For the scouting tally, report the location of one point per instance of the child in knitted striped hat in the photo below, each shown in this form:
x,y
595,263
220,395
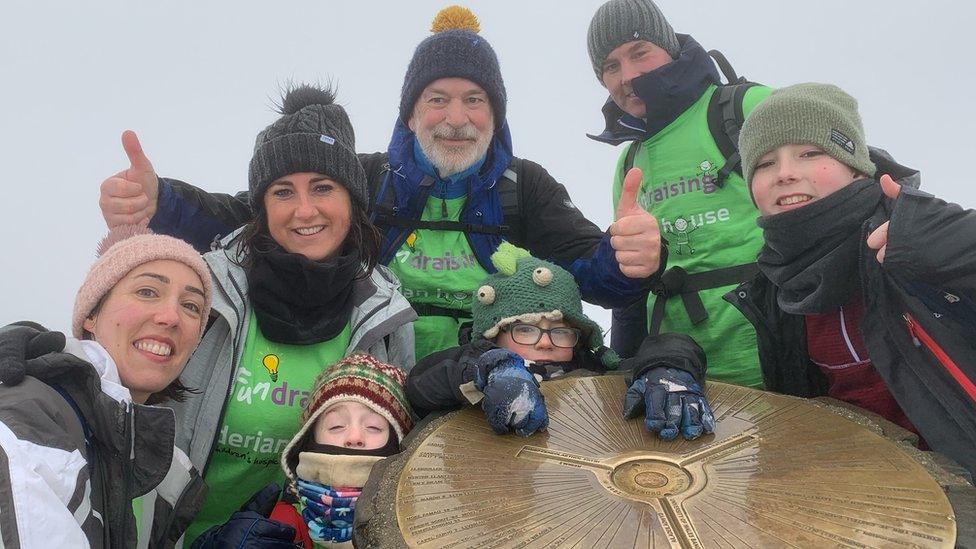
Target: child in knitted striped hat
x,y
356,416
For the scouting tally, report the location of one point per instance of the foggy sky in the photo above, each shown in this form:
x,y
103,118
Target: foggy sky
x,y
196,80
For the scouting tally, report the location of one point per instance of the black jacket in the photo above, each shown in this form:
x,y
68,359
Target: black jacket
x,y
442,380
919,323
549,226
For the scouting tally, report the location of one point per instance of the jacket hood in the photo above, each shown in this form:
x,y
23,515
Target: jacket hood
x,y
667,91
404,165
886,164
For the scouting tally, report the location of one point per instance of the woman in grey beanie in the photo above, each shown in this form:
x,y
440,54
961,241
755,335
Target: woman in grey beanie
x,y
873,281
296,289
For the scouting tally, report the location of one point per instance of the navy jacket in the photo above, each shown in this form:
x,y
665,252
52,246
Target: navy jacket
x,y
553,228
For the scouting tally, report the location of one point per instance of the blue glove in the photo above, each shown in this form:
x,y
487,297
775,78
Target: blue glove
x,y
328,511
250,526
511,396
671,400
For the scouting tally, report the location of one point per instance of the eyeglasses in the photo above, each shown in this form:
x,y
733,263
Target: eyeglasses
x,y
527,334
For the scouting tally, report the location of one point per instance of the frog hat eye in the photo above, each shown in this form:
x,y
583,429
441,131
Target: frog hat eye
x,y
486,295
542,276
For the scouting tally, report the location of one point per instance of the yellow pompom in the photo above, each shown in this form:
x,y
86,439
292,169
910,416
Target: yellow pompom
x,y
455,18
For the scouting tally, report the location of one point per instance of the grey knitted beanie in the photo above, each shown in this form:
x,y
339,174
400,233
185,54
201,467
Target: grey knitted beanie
x,y
455,50
312,135
620,21
818,114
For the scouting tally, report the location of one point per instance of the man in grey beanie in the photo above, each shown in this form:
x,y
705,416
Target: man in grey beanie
x,y
667,103
446,193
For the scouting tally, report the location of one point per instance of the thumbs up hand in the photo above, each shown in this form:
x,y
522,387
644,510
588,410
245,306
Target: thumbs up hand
x,y
635,236
129,197
878,239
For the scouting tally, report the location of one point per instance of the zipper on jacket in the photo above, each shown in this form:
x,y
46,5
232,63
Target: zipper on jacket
x,y
921,338
130,448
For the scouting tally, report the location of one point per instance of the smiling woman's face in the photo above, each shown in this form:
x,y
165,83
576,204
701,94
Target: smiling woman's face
x,y
793,176
150,324
308,214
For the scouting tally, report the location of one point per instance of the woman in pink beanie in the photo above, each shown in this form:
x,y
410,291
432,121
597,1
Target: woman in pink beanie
x,y
79,442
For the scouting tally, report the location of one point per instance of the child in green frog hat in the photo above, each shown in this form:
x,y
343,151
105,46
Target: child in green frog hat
x,y
529,327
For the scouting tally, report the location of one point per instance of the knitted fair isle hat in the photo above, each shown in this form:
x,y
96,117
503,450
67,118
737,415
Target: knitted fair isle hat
x,y
817,114
620,21
454,51
312,135
527,289
357,378
123,249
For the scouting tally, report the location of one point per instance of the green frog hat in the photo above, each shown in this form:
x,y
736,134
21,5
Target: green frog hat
x,y
528,289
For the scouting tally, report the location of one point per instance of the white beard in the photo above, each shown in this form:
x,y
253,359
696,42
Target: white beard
x,y
451,160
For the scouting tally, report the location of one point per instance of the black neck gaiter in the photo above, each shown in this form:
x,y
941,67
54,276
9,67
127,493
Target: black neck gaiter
x,y
811,253
298,301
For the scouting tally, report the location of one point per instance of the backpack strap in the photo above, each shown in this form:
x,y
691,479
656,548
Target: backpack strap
x,y
510,197
632,151
676,282
725,119
509,192
726,68
85,427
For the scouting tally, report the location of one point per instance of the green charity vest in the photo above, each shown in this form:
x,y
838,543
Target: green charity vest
x,y
706,227
262,413
438,268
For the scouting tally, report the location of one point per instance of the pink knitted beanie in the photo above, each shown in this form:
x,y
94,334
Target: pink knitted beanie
x,y
125,248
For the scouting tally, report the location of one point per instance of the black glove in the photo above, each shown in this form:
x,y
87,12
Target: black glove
x,y
250,527
22,341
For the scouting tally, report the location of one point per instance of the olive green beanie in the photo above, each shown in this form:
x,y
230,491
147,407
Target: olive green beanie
x,y
817,114
527,289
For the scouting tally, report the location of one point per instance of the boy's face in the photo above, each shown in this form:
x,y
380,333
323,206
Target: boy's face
x,y
543,350
793,176
352,425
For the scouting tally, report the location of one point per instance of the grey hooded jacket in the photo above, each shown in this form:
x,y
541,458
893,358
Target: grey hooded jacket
x,y
381,325
72,459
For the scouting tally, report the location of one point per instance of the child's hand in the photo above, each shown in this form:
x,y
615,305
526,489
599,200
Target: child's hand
x,y
250,526
511,397
672,402
878,239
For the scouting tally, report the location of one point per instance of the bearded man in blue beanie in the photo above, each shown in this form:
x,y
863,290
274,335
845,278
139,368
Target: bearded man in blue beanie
x,y
444,195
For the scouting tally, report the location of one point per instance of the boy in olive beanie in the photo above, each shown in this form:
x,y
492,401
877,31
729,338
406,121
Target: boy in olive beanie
x,y
529,327
817,114
867,285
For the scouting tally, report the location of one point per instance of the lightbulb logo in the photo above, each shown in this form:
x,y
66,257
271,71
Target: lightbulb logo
x,y
271,365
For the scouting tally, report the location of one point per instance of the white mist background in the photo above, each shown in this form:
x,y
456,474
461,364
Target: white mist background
x,y
196,80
